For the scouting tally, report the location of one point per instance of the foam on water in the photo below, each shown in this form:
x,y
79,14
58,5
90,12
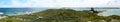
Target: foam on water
x,y
14,11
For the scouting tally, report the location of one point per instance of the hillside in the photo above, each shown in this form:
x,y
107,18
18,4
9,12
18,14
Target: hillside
x,y
60,15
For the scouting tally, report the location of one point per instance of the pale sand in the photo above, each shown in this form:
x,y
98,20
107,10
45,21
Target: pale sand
x,y
2,17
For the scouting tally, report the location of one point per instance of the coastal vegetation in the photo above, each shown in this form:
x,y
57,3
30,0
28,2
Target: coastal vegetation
x,y
62,15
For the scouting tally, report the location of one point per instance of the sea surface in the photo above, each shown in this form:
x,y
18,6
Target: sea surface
x,y
105,12
15,11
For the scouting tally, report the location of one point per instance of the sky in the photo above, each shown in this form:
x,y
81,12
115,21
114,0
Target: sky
x,y
59,3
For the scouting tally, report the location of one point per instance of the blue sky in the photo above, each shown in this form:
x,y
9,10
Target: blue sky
x,y
5,2
59,3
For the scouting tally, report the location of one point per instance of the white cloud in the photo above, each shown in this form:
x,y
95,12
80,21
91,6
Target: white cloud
x,y
35,3
87,3
64,3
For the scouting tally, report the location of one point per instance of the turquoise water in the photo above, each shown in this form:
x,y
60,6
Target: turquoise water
x,y
13,11
107,12
112,12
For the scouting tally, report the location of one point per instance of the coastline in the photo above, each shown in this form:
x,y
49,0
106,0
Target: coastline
x,y
2,17
23,13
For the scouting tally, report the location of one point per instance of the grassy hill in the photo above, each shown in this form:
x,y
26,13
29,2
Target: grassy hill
x,y
59,15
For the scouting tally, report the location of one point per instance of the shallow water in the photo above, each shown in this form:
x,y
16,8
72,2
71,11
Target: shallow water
x,y
12,11
107,12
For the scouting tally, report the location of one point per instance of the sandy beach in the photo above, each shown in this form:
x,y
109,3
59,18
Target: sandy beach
x,y
2,17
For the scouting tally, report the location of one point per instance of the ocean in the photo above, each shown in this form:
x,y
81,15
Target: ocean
x,y
105,12
15,11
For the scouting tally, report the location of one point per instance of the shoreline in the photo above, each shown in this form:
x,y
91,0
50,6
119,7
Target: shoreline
x,y
23,13
2,17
